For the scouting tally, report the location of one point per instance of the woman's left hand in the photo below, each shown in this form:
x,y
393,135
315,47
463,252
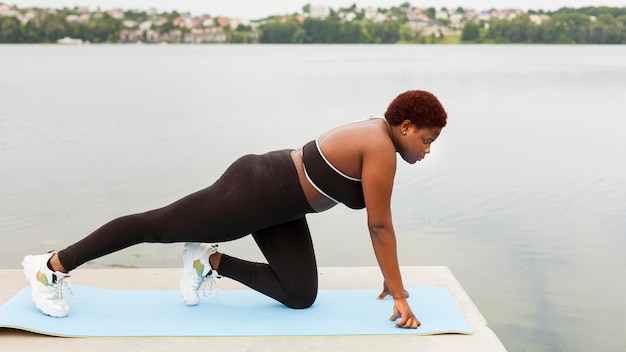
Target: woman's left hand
x,y
386,292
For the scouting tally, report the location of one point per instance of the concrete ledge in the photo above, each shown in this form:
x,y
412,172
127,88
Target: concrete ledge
x,y
482,340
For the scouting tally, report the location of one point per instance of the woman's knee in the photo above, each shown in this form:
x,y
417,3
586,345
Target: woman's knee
x,y
302,299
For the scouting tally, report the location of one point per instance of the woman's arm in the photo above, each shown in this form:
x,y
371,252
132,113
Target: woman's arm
x,y
377,175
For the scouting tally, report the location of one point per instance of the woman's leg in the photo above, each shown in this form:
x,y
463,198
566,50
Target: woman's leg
x,y
255,192
290,276
187,220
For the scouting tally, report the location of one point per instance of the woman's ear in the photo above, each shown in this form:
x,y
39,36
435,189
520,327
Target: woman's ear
x,y
405,126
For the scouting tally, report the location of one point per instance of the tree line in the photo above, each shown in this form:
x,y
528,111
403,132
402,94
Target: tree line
x,y
49,29
589,25
329,31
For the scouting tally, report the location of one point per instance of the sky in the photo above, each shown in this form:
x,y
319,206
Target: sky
x,y
254,9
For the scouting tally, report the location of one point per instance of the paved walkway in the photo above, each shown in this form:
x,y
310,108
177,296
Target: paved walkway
x,y
483,339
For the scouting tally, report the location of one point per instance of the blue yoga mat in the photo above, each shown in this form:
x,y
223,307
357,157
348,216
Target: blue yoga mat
x,y
103,312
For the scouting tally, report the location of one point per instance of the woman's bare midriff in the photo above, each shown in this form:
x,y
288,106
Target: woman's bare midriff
x,y
318,201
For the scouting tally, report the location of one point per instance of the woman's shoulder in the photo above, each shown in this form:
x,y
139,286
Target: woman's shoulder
x,y
357,141
363,134
359,132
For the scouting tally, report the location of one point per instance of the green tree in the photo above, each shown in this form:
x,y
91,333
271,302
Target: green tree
x,y
10,30
241,34
431,12
608,30
523,30
517,30
54,28
399,14
360,15
299,36
31,33
172,15
105,29
568,28
315,31
386,32
238,37
275,32
471,32
351,32
410,34
167,26
331,31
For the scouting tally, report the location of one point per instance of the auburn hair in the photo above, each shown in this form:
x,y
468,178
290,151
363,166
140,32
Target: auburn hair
x,y
420,107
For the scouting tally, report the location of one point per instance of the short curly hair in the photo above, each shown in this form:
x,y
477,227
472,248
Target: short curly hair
x,y
420,107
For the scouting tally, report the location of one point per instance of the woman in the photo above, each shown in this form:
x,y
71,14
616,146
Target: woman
x,y
268,196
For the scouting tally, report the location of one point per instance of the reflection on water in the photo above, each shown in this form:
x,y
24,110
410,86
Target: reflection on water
x,y
523,195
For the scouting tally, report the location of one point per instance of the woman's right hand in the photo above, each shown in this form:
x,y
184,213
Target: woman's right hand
x,y
401,310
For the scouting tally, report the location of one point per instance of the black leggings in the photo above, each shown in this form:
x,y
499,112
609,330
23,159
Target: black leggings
x,y
259,195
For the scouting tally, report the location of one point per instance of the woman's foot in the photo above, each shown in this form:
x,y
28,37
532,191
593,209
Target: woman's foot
x,y
47,285
196,269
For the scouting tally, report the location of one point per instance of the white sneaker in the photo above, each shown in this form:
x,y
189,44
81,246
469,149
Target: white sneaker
x,y
196,269
47,286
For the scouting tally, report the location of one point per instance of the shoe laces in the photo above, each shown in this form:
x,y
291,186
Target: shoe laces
x,y
60,284
209,285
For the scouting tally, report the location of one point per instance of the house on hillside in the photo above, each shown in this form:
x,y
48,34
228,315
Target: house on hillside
x,y
131,35
429,27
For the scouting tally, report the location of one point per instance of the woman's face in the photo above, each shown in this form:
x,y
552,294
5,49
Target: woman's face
x,y
414,143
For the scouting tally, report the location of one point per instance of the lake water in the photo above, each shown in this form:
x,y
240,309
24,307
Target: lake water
x,y
523,196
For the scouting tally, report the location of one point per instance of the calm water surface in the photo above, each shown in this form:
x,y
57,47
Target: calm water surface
x,y
523,195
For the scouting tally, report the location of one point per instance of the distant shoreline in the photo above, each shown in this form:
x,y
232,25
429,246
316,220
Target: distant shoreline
x,y
318,25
